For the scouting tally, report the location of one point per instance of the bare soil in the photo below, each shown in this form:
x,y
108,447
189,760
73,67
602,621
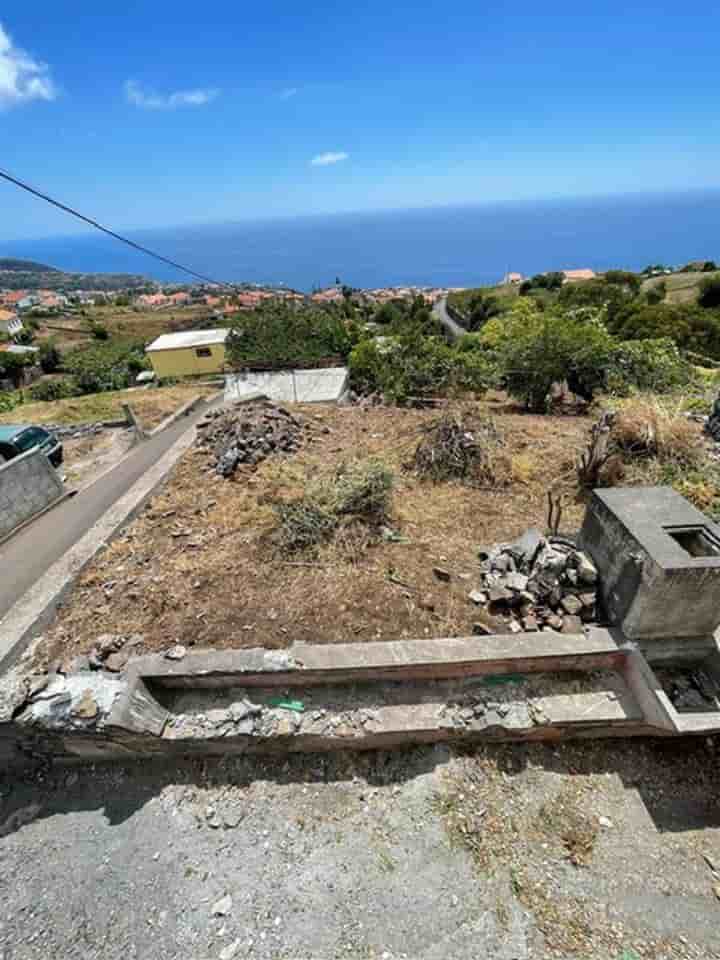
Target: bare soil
x,y
195,567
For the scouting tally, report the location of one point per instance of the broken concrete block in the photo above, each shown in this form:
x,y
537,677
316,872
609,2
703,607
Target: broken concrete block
x,y
477,597
572,625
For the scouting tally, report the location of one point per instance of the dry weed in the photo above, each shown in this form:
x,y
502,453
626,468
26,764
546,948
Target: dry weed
x,y
645,428
458,446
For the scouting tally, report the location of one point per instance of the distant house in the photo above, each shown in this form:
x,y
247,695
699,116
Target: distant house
x,y
154,301
187,354
513,279
10,323
331,295
28,302
574,276
179,299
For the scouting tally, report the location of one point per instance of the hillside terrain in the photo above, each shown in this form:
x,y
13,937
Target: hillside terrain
x,y
28,275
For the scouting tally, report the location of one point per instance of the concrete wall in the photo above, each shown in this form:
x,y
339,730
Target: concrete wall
x,y
322,385
184,361
28,484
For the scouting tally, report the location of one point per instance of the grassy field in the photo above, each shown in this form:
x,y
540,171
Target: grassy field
x,y
681,287
151,405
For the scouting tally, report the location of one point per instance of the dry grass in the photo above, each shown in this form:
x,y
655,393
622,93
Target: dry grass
x,y
646,428
194,566
151,405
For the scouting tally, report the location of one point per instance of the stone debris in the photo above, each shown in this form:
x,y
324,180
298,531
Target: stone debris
x,y
178,652
223,906
248,433
536,583
111,651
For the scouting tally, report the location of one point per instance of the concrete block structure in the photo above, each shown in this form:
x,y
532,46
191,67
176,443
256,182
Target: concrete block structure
x,y
28,484
191,353
659,563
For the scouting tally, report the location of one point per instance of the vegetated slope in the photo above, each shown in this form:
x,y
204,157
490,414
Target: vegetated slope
x,y
25,266
28,275
680,287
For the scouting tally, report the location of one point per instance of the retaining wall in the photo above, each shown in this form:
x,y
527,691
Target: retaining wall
x,y
28,485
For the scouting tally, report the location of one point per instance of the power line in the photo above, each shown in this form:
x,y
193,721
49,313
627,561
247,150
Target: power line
x,y
110,233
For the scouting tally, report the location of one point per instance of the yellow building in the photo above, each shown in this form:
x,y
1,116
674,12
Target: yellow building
x,y
188,354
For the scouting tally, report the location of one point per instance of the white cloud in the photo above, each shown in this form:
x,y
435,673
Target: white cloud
x,y
326,159
150,100
22,79
288,92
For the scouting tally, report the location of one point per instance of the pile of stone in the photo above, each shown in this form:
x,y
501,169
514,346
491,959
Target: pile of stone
x,y
248,433
537,583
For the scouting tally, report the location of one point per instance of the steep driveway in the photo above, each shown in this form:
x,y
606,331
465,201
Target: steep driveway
x,y
26,556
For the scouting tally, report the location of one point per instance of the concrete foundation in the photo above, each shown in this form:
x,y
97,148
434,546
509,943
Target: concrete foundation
x,y
659,564
29,484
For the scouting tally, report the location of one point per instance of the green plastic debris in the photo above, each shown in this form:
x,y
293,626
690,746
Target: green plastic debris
x,y
629,955
297,706
505,678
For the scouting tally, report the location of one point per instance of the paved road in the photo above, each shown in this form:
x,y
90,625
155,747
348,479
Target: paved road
x,y
26,556
453,328
346,857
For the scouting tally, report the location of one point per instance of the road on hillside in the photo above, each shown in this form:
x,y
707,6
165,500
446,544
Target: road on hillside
x,y
26,556
440,311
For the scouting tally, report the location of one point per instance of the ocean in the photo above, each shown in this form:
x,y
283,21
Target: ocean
x,y
442,246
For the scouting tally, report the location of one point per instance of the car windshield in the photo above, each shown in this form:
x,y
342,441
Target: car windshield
x,y
30,438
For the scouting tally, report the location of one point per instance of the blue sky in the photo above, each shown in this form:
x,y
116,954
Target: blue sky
x,y
162,113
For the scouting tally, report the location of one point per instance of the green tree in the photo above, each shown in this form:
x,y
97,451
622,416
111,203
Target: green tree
x,y
483,307
49,356
709,295
12,367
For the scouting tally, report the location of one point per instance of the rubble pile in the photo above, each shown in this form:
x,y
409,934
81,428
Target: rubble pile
x,y
537,583
248,433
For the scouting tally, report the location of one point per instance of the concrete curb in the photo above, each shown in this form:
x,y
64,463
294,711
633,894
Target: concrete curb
x,y
418,689
36,608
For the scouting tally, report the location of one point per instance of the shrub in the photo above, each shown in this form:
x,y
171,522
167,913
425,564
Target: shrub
x,y
554,349
689,326
49,356
8,401
647,365
105,366
278,335
357,493
51,390
409,368
99,331
12,367
709,294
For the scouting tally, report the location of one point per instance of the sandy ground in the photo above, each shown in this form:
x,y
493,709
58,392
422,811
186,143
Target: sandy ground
x,y
195,566
410,854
